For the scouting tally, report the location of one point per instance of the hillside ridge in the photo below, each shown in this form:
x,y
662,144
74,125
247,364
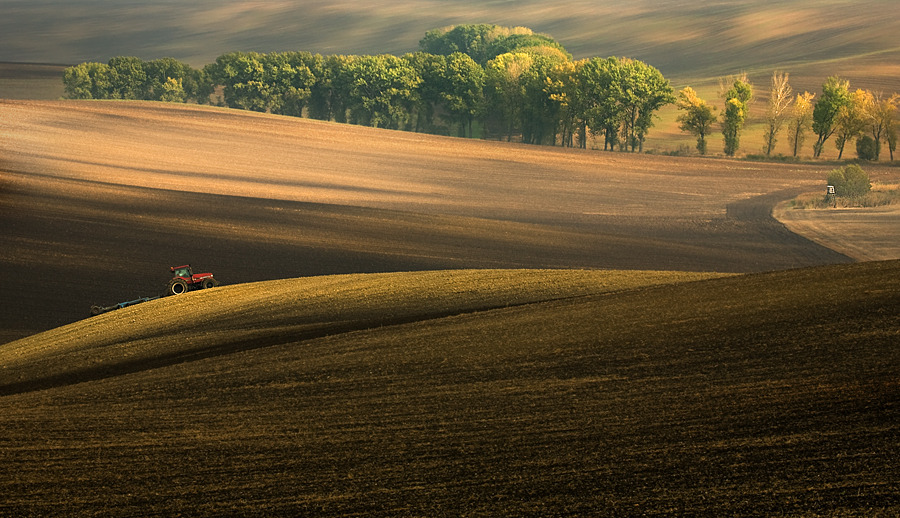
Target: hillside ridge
x,y
230,319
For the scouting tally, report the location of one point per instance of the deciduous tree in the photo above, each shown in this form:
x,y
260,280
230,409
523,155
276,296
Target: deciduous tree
x,y
697,116
780,98
168,79
892,132
642,90
603,112
382,91
737,105
849,180
463,92
432,69
127,78
290,80
244,78
881,114
835,94
564,88
801,121
506,90
87,81
851,119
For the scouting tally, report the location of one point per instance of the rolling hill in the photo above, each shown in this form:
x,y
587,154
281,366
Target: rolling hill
x,y
423,326
420,325
682,40
99,198
468,392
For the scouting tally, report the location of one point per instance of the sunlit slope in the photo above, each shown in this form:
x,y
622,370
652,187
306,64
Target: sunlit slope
x,y
233,318
768,394
100,198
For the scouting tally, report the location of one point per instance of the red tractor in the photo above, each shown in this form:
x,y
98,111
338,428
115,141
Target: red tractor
x,y
185,280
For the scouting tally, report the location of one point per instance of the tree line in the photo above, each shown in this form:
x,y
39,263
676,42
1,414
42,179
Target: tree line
x,y
495,82
861,115
468,80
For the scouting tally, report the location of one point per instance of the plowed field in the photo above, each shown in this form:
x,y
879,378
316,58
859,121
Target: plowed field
x,y
99,198
446,374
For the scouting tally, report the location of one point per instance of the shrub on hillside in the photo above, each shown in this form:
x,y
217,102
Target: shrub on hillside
x,y
866,148
849,181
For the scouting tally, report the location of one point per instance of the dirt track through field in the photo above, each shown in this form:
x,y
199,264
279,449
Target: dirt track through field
x,y
98,198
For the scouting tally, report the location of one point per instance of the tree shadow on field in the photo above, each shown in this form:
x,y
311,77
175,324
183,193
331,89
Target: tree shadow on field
x,y
69,244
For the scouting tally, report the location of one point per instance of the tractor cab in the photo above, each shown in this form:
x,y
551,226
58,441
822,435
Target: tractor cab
x,y
183,272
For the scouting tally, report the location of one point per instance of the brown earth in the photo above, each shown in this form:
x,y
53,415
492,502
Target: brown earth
x,y
99,198
478,392
483,393
865,234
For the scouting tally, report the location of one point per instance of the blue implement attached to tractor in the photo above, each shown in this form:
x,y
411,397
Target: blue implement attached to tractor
x,y
96,310
183,280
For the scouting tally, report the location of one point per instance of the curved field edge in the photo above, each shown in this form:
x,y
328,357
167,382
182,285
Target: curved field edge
x,y
765,394
232,318
863,234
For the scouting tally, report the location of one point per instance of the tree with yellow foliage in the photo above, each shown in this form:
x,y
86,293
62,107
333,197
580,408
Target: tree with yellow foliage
x,y
802,120
698,116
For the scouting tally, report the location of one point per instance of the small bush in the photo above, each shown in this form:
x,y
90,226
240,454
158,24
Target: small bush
x,y
866,148
849,181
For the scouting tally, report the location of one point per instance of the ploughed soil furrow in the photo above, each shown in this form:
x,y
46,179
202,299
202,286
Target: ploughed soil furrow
x,y
763,394
99,198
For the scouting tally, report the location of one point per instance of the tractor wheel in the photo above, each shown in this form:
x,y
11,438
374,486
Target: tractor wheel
x,y
96,310
209,283
177,287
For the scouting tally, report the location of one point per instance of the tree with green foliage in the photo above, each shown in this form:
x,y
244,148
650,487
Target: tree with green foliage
x,y
243,76
835,95
866,148
318,103
540,113
641,90
564,88
432,69
849,181
171,91
382,91
87,81
484,42
463,93
780,98
505,90
473,40
737,106
801,122
127,78
850,120
168,79
526,42
602,111
291,81
697,117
